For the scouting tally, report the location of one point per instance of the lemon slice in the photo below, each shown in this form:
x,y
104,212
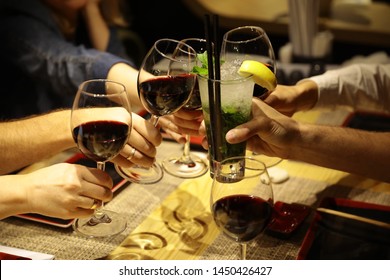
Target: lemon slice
x,y
262,75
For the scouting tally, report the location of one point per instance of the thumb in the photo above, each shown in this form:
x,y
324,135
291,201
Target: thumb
x,y
243,132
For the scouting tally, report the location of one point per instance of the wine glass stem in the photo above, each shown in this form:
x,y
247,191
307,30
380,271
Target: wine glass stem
x,y
186,156
187,147
99,216
98,211
243,251
154,120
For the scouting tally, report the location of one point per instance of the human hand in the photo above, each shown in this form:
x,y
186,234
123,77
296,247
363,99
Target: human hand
x,y
291,99
65,190
268,132
181,123
285,99
141,145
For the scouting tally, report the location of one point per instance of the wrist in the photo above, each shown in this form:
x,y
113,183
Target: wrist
x,y
14,200
301,140
307,92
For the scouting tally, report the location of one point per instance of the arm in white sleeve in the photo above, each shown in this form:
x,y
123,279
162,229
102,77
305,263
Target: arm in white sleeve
x,y
361,86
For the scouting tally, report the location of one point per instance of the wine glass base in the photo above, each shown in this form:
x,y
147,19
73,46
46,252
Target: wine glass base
x,y
141,175
191,169
113,225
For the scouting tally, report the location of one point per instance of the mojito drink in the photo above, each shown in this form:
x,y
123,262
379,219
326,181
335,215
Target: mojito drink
x,y
236,101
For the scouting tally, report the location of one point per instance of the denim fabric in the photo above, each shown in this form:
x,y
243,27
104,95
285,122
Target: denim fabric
x,y
41,69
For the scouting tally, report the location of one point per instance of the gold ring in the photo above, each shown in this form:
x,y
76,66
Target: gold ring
x,y
95,204
131,154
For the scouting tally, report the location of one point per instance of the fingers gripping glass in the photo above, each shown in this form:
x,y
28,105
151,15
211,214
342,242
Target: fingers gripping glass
x,y
187,165
165,83
101,122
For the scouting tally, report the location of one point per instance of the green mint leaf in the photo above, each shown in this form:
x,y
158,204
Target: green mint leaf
x,y
200,70
203,59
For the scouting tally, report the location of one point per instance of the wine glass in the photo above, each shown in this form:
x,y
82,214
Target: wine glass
x,y
251,43
101,122
165,83
241,199
188,165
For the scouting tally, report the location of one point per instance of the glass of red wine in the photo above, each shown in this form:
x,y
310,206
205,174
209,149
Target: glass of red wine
x,y
241,199
165,83
101,123
187,165
251,43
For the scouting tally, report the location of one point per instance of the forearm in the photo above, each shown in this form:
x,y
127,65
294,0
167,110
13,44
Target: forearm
x,y
13,200
98,29
354,151
126,75
23,142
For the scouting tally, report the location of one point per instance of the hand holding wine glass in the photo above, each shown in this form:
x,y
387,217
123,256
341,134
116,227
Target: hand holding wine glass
x,y
188,165
241,199
165,79
101,122
165,83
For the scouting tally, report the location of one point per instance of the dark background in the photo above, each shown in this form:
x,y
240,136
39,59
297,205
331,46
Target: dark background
x,y
172,19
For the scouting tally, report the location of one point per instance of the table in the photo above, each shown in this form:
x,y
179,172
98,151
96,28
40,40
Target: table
x,y
349,23
171,219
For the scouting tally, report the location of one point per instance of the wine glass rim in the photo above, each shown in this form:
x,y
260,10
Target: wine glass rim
x,y
194,39
178,43
260,34
81,87
261,170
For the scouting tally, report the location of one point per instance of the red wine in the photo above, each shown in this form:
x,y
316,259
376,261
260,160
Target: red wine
x,y
101,140
194,103
166,95
242,217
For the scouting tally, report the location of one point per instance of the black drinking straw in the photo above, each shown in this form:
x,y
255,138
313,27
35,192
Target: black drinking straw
x,y
211,32
217,90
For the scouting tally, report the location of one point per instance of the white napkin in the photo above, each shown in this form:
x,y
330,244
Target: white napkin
x,y
25,253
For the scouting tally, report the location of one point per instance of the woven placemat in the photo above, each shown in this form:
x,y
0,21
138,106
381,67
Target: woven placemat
x,y
134,201
138,202
297,190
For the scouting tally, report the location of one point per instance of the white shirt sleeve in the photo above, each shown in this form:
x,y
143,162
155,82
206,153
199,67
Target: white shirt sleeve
x,y
361,86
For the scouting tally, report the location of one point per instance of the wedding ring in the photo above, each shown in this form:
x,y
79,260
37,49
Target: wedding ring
x,y
131,154
95,204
